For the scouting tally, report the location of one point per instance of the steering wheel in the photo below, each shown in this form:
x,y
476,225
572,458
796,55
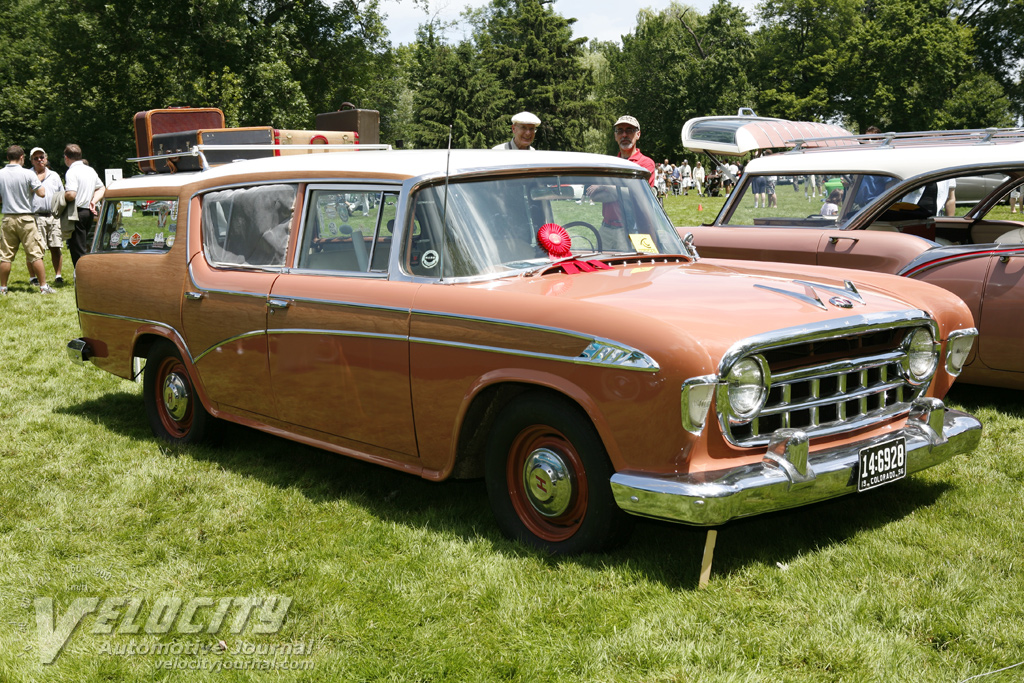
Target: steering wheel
x,y
597,235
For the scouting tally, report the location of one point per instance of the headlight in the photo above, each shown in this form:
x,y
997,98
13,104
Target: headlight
x,y
958,348
922,355
747,388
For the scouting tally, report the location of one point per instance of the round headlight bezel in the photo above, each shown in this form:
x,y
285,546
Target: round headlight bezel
x,y
922,359
746,388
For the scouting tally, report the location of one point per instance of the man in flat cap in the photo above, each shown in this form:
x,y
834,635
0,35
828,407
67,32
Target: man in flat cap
x,y
627,133
524,128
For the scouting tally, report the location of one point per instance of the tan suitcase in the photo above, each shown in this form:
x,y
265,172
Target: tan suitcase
x,y
284,138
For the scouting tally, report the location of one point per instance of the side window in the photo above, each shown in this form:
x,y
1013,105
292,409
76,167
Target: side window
x,y
141,224
347,231
248,226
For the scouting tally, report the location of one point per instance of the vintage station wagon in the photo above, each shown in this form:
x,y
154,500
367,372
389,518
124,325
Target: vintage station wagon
x,y
935,206
532,318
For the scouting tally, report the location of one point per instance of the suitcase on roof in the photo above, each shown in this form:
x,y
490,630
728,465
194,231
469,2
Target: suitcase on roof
x,y
184,141
285,138
174,119
365,122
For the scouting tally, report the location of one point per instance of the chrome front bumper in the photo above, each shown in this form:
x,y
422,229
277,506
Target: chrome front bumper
x,y
787,476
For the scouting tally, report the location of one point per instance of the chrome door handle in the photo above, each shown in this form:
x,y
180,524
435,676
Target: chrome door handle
x,y
194,296
835,239
279,303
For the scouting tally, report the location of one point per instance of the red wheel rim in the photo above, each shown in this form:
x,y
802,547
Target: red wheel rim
x,y
174,398
551,510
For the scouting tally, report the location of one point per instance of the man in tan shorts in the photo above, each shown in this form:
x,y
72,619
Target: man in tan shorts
x,y
49,227
17,185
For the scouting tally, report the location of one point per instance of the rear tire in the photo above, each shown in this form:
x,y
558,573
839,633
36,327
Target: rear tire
x,y
548,478
174,411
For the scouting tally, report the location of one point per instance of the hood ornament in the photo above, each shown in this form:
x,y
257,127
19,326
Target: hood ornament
x,y
845,298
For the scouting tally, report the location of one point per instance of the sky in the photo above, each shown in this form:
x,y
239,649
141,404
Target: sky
x,y
601,19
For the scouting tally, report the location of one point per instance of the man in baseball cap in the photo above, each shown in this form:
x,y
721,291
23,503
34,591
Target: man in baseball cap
x,y
524,128
627,133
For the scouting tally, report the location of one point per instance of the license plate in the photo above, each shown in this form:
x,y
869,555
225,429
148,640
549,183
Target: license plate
x,y
882,464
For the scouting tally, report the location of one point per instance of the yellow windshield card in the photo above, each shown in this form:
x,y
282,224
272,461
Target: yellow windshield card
x,y
643,243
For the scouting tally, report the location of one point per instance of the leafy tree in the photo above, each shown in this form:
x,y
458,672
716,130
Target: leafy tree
x,y
264,62
452,91
998,26
529,49
799,49
678,64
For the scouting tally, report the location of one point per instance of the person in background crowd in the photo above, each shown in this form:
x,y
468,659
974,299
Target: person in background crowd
x,y
831,205
49,227
627,134
687,174
677,180
524,129
17,186
84,189
698,178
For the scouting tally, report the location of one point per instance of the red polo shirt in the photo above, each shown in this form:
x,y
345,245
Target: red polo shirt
x,y
638,158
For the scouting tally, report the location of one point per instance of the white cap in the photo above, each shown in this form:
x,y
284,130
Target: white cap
x,y
527,118
629,121
36,149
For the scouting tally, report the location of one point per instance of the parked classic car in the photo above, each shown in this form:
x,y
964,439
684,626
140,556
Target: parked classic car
x,y
908,204
531,318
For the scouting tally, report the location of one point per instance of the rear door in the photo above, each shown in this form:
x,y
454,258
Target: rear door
x,y
338,328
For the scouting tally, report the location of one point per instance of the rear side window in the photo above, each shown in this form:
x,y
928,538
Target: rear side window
x,y
138,224
248,226
347,230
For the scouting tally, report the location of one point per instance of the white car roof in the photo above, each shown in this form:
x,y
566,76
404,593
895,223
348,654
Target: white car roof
x,y
901,162
398,164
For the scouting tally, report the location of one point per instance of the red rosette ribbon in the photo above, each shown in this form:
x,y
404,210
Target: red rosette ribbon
x,y
555,240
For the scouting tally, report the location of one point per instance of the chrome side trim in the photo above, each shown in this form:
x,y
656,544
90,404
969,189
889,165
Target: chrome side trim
x,y
142,321
788,476
648,364
599,351
339,333
229,340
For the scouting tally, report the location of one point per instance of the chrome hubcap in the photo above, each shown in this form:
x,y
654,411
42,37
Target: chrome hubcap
x,y
175,393
547,482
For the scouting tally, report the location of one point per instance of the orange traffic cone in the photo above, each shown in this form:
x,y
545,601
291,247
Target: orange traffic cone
x,y
700,207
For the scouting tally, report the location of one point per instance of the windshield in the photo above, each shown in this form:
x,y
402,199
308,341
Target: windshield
x,y
492,225
814,201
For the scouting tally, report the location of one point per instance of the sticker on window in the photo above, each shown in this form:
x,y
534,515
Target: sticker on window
x,y
643,243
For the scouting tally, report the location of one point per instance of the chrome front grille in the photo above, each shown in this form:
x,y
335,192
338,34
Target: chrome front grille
x,y
829,384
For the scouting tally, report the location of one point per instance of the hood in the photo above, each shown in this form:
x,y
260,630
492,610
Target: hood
x,y
709,305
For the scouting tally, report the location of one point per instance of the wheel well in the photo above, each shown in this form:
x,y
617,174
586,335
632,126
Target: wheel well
x,y
479,419
144,343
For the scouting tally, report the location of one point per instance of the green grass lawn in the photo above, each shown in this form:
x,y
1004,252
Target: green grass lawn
x,y
392,578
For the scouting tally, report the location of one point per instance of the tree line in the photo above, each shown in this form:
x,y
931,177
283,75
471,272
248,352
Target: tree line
x,y
78,70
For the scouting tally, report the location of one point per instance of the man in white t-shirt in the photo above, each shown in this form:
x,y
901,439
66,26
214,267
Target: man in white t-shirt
x,y
83,189
17,186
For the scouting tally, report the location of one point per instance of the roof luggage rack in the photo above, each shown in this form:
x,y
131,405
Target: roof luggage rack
x,y
927,138
197,151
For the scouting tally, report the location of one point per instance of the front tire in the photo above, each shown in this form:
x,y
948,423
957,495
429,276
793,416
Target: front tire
x,y
174,411
548,478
